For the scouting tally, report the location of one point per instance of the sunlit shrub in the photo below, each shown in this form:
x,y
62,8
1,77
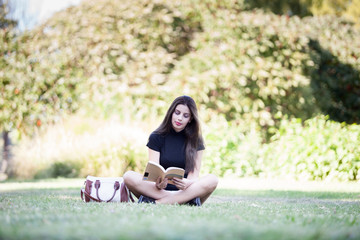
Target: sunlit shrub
x,y
129,59
59,169
250,67
245,69
319,149
231,151
349,9
79,147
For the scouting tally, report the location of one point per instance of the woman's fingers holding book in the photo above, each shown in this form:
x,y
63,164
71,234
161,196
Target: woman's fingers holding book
x,y
161,184
165,182
179,183
182,184
158,183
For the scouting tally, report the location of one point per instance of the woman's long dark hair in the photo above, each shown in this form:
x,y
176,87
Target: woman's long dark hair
x,y
192,130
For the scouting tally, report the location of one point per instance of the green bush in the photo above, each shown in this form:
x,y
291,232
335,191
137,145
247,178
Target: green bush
x,y
231,151
36,86
349,9
250,67
335,75
129,59
245,69
79,147
254,66
318,149
123,52
59,169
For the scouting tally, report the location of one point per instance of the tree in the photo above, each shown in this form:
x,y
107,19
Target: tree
x,y
5,25
35,88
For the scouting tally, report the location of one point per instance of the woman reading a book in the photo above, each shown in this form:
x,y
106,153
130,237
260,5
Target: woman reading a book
x,y
177,142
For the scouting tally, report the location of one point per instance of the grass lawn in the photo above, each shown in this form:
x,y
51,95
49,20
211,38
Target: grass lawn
x,y
239,209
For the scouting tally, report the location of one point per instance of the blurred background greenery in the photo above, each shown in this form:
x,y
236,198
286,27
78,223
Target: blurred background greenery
x,y
277,84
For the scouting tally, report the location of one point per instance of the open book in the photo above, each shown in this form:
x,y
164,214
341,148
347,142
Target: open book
x,y
154,170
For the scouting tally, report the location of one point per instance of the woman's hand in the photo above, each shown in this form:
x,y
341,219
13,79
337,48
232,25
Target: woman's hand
x,y
161,184
182,184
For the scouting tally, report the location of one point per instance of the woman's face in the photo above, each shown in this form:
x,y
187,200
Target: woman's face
x,y
180,117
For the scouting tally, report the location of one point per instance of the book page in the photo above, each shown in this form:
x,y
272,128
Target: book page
x,y
172,172
153,171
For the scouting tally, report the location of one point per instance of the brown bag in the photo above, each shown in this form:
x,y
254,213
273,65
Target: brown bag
x,y
105,189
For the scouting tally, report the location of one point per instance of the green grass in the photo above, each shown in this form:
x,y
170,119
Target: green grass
x,y
52,209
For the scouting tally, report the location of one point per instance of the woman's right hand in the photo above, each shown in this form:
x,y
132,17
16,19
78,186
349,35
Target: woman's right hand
x,y
161,184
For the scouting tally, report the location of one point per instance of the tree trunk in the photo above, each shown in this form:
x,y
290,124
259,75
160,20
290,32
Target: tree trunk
x,y
6,156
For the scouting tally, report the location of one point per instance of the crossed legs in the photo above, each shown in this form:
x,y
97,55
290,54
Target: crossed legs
x,y
202,188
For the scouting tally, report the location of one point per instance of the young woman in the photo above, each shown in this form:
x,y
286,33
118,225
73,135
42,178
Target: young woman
x,y
177,142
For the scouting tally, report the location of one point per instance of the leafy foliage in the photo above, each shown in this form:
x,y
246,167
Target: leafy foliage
x,y
231,151
81,147
123,51
320,149
31,91
247,70
264,66
336,86
252,66
126,47
4,21
255,71
348,9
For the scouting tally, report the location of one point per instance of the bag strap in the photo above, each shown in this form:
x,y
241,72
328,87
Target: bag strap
x,y
97,186
131,196
83,192
125,193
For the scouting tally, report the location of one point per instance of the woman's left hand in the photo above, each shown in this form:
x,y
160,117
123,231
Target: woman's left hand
x,y
182,184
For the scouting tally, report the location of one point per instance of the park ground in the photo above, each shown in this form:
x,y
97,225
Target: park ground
x,y
246,208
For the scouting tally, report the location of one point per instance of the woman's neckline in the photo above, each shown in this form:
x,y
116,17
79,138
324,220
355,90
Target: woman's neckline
x,y
175,132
